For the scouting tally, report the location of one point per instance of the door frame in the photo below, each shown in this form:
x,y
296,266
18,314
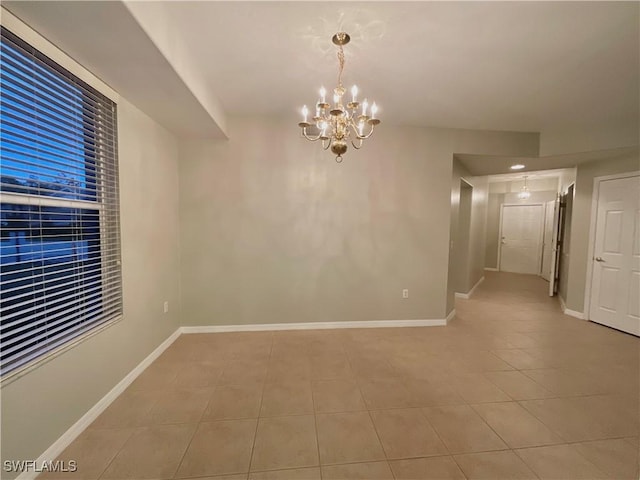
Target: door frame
x,y
555,203
539,240
592,234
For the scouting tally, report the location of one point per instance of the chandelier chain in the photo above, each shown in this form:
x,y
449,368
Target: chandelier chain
x,y
341,63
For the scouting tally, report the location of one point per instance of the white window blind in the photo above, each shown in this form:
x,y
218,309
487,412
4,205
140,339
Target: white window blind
x,y
60,240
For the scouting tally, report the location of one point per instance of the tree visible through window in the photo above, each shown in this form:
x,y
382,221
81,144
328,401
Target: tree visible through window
x,y
60,246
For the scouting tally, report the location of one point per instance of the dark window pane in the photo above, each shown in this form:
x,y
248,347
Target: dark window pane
x,y
49,256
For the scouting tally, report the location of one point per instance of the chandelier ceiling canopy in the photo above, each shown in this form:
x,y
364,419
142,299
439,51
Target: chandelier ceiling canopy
x,y
337,123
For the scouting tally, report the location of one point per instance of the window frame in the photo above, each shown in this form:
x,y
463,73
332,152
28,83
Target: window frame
x,y
106,197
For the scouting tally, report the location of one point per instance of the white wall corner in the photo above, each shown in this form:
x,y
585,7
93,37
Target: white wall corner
x,y
77,428
491,269
567,311
155,21
473,289
452,314
467,295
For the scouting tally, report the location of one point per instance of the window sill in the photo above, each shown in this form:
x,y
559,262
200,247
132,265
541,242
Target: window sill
x,y
28,368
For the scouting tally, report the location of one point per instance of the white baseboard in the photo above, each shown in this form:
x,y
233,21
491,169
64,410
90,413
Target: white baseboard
x,y
563,306
452,314
260,327
491,269
574,313
567,311
476,286
467,295
77,428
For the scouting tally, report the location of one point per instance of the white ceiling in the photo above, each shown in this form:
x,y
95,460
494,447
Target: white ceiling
x,y
493,164
523,66
544,67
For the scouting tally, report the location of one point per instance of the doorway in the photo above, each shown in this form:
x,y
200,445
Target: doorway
x,y
615,264
521,238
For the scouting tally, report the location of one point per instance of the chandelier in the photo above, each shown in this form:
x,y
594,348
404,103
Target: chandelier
x,y
336,124
524,191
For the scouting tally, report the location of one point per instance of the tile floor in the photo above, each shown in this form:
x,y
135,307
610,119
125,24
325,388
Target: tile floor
x,y
511,388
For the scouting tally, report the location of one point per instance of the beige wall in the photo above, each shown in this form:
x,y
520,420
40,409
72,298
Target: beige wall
x,y
566,188
533,184
478,237
567,177
536,197
560,141
469,197
493,229
458,247
274,231
461,252
40,406
580,222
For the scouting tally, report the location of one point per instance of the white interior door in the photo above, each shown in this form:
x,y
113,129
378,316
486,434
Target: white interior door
x,y
547,240
615,280
521,238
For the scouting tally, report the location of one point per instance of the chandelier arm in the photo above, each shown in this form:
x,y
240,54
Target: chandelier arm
x,y
363,137
310,138
357,147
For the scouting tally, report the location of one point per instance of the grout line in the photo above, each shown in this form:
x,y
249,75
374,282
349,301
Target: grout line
x,y
264,382
455,460
315,423
375,429
563,444
134,429
195,431
437,433
117,452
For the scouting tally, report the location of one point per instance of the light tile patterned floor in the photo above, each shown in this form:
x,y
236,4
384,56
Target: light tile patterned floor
x,y
510,389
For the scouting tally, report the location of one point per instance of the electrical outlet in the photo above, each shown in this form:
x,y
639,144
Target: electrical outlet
x,y
166,306
405,293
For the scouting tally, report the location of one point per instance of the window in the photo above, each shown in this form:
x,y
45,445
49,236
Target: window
x,y
60,242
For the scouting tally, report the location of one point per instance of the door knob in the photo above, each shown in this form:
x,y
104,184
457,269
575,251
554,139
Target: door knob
x,y
599,259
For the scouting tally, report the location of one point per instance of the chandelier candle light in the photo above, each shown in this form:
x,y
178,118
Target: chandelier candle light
x,y
336,123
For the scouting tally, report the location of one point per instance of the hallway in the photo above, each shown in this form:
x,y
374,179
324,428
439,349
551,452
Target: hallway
x,y
511,388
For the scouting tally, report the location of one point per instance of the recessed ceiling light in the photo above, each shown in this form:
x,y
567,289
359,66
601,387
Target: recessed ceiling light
x,y
517,167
